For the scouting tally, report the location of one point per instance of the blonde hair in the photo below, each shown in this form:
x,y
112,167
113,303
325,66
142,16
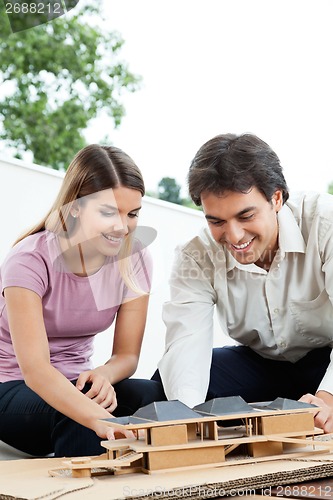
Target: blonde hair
x,y
93,169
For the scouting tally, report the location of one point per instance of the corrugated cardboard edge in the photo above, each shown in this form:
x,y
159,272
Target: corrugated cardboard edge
x,y
41,490
234,480
245,483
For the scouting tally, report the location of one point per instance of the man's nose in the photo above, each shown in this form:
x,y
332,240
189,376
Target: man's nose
x,y
234,233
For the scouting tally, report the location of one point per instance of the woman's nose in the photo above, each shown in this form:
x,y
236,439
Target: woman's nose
x,y
121,225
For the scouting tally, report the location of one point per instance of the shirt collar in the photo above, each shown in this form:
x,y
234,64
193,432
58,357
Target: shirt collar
x,y
290,236
231,263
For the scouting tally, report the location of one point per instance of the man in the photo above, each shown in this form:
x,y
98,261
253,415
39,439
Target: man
x,y
265,263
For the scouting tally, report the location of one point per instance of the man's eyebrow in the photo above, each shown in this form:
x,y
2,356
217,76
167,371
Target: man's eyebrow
x,y
212,217
239,214
245,210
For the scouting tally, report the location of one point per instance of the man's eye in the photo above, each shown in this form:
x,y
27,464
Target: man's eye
x,y
216,222
133,214
247,217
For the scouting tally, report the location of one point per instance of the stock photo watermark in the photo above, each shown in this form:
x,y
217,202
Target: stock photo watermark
x,y
202,491
27,14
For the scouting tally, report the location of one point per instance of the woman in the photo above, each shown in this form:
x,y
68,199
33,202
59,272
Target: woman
x,y
67,279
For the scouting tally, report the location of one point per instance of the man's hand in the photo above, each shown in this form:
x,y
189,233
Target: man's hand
x,y
324,417
101,391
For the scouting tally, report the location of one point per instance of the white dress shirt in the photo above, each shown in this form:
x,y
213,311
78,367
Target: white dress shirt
x,y
280,314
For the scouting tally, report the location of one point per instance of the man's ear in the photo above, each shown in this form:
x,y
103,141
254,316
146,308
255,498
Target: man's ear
x,y
277,200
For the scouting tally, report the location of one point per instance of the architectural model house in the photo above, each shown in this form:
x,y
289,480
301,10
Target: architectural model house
x,y
172,436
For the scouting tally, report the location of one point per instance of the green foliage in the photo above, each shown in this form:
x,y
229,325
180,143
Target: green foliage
x,y
330,188
55,78
169,190
187,202
151,194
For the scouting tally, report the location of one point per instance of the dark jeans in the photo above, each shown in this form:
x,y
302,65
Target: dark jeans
x,y
239,371
31,425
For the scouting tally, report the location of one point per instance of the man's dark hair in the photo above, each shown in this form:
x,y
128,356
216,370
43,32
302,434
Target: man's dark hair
x,y
237,163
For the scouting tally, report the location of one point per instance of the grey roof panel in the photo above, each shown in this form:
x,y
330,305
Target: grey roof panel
x,y
224,406
162,411
287,404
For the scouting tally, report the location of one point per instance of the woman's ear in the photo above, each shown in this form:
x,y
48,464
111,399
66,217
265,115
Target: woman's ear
x,y
74,210
277,200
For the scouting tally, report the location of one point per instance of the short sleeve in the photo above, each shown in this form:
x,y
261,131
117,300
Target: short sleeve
x,y
25,270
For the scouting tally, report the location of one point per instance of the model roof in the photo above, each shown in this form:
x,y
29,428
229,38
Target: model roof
x,y
162,411
287,404
224,406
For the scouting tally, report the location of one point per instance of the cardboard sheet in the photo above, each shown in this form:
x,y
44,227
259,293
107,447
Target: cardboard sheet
x,y
317,490
29,480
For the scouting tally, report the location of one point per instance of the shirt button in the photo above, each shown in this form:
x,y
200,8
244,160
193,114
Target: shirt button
x,y
276,310
282,344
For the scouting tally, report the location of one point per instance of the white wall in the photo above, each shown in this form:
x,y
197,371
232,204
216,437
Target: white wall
x,y
26,193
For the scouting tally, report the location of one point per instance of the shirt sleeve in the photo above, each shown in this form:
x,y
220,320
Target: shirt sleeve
x,y
185,365
25,270
325,239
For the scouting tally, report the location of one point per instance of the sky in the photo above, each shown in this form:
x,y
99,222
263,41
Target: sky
x,y
218,66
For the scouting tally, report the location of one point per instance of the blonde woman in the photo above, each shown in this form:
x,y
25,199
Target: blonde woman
x,y
71,276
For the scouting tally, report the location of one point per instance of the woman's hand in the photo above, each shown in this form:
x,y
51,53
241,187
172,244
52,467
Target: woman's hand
x,y
324,416
104,431
101,391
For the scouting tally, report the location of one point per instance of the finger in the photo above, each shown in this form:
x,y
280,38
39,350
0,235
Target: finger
x,y
98,390
113,432
314,400
308,398
328,426
124,433
112,406
110,401
129,434
106,397
321,418
110,434
82,380
141,434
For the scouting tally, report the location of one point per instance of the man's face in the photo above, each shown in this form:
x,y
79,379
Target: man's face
x,y
245,224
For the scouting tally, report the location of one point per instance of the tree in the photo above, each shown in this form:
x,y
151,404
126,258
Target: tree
x,y
169,190
57,77
187,202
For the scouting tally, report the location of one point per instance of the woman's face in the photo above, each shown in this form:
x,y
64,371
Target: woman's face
x,y
104,219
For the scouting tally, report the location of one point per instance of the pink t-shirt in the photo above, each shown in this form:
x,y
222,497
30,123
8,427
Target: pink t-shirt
x,y
75,308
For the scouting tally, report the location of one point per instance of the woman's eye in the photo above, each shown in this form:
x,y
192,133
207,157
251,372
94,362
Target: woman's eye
x,y
108,214
131,215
